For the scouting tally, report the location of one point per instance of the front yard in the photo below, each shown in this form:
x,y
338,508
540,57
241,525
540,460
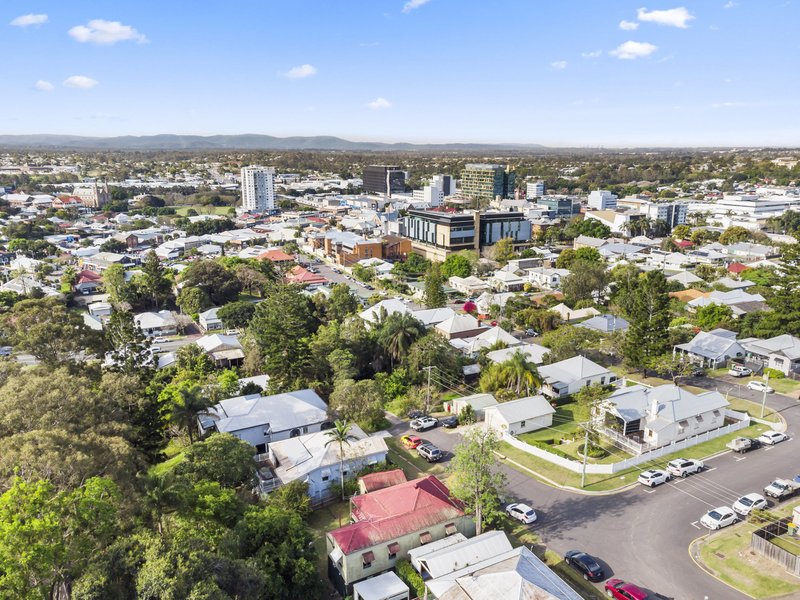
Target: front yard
x,y
727,555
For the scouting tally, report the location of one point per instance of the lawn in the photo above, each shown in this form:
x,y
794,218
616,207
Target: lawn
x,y
563,426
753,409
727,554
603,482
320,522
203,210
410,461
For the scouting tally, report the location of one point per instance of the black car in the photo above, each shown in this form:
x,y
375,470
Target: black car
x,y
585,565
415,414
449,422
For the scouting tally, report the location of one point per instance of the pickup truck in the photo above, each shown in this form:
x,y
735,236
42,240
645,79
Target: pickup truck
x,y
743,444
781,489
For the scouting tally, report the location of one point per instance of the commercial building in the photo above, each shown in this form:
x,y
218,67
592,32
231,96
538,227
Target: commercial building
x,y
383,179
436,234
559,206
258,188
91,195
534,189
602,200
671,213
439,188
482,181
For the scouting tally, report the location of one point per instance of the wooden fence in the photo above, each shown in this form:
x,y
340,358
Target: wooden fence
x,y
761,542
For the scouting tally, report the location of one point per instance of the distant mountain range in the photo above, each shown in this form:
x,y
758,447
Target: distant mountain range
x,y
236,142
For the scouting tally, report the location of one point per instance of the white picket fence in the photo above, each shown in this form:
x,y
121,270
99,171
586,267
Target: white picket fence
x,y
577,466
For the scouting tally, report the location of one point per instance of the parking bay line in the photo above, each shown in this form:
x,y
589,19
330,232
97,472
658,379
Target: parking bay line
x,y
694,524
741,458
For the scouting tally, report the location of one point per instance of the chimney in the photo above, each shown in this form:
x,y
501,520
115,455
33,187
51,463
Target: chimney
x,y
652,412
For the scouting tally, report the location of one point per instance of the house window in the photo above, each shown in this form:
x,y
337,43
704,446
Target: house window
x,y
393,548
522,424
682,425
699,418
326,475
261,448
778,362
717,414
450,529
367,558
649,433
425,537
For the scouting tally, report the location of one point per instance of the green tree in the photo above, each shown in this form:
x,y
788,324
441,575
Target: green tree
x,y
503,250
648,319
785,302
115,285
587,398
713,316
359,401
130,348
112,245
672,367
222,458
220,285
192,300
569,257
586,281
682,232
433,349
434,290
567,341
340,435
154,281
476,479
734,235
237,315
341,303
188,403
397,333
516,374
456,265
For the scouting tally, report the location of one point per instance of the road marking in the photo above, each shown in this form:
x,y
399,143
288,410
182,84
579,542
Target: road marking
x,y
768,449
707,470
695,524
741,458
651,491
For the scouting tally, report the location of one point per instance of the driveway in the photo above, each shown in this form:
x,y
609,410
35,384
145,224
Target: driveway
x,y
643,535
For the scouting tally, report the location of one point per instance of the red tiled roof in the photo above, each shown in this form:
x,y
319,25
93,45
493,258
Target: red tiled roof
x,y
383,479
299,274
276,256
390,513
737,267
684,244
84,276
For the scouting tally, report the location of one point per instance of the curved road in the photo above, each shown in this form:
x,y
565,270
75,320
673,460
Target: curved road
x,y
643,535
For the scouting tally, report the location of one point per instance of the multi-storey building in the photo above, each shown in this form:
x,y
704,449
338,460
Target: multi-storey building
x,y
487,182
436,234
671,213
91,195
560,206
383,179
258,188
602,200
439,188
534,189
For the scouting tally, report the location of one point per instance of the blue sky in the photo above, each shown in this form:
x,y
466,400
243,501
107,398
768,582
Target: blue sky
x,y
565,72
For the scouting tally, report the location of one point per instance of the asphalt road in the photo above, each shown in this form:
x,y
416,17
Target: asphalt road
x,y
642,535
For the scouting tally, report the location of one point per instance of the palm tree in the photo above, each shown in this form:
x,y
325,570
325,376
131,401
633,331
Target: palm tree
x,y
162,493
187,406
399,332
340,434
519,373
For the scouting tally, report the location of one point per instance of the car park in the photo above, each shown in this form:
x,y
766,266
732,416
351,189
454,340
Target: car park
x,y
521,512
772,437
681,467
411,441
423,423
621,590
585,564
749,502
429,452
653,477
719,518
450,422
739,371
760,386
415,414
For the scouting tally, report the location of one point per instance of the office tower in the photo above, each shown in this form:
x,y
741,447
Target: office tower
x,y
486,182
383,179
258,188
602,200
535,189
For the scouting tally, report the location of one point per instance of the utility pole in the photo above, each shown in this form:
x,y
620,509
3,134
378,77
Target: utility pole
x,y
428,398
585,455
764,397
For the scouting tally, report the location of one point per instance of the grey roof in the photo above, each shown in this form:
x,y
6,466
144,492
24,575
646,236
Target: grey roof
x,y
432,316
571,370
674,403
604,323
533,352
712,346
279,412
587,240
467,552
733,284
385,585
685,278
523,409
787,345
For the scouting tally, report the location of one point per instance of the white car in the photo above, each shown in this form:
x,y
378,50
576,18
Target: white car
x,y
423,423
160,340
750,502
760,386
521,512
737,371
772,437
719,518
653,477
681,467
155,349
231,332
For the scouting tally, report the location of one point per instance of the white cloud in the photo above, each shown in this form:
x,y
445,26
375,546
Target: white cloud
x,y
628,25
592,54
631,50
673,17
105,33
300,72
80,82
379,104
28,20
44,86
559,65
412,4
730,4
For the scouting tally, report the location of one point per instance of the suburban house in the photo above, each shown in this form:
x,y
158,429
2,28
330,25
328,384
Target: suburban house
x,y
103,260
587,241
383,309
740,301
711,349
506,281
569,376
209,321
224,350
488,338
302,276
781,352
261,420
546,278
685,278
387,523
100,309
312,458
604,324
277,256
661,415
433,316
571,314
88,282
460,326
520,416
469,286
516,574
533,353
453,552
156,323
478,402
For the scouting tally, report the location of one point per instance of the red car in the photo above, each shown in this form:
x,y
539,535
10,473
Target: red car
x,y
616,588
411,441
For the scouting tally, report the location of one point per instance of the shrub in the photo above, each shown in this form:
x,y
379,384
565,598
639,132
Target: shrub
x,y
410,577
774,373
551,449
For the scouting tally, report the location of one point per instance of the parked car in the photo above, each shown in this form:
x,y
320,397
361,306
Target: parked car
x,y
654,477
616,588
231,332
760,386
719,518
411,441
698,372
780,489
772,437
739,371
743,444
155,349
521,512
415,414
585,565
744,505
424,423
6,350
429,452
531,333
681,467
449,422
160,340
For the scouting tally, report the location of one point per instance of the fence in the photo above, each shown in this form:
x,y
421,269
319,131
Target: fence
x,y
761,542
577,466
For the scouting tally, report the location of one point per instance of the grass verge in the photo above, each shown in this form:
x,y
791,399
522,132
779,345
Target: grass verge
x,y
321,522
203,210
